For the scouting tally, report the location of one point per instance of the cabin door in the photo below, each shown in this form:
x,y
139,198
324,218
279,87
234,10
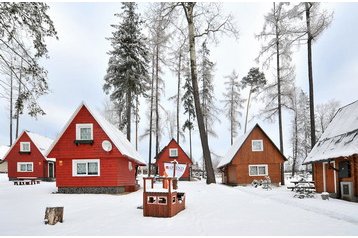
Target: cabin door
x,y
51,170
231,175
329,177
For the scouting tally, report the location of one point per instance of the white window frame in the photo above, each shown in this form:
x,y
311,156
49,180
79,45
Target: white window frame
x,y
77,161
22,146
25,163
171,150
83,125
258,165
262,145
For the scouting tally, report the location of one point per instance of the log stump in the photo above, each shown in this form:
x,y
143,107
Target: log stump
x,y
53,215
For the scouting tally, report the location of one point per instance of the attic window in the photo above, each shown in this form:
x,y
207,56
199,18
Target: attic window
x,y
25,147
173,152
257,145
84,133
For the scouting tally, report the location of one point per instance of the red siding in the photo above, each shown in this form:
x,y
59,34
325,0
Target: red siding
x,y
113,165
237,171
40,169
113,172
182,158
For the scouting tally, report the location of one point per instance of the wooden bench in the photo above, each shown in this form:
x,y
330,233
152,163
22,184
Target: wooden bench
x,y
27,181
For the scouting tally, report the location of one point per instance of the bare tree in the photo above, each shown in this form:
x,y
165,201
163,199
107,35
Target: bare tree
x,y
316,21
299,106
203,22
324,114
233,103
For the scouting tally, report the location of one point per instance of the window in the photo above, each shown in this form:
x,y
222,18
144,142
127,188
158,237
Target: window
x,y
25,167
173,152
25,147
86,167
162,200
84,132
258,170
151,200
257,145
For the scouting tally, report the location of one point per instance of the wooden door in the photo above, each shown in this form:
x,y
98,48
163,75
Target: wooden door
x,y
232,175
330,177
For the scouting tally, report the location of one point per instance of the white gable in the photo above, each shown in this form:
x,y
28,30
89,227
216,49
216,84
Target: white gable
x,y
340,138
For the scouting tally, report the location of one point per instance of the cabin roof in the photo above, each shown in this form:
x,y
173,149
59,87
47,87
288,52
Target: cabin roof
x,y
116,136
165,147
237,145
340,137
42,143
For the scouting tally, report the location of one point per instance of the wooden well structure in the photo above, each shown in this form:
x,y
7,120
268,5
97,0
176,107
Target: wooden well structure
x,y
161,198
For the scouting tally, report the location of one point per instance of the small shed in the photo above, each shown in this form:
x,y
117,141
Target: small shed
x,y
27,158
93,156
170,153
335,155
161,197
3,164
252,157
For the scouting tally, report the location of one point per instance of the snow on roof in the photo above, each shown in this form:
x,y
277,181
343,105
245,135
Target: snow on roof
x,y
340,137
41,142
117,137
233,149
3,151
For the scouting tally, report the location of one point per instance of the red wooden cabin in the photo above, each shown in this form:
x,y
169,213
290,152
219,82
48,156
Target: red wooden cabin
x,y
335,156
93,156
27,159
172,152
252,157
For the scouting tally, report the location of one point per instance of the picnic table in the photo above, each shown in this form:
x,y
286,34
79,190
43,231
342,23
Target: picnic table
x,y
303,188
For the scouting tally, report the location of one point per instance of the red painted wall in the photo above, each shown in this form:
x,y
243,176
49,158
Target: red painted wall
x,y
182,158
113,165
40,169
237,172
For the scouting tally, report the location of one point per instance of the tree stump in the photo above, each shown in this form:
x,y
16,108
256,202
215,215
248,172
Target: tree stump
x,y
53,215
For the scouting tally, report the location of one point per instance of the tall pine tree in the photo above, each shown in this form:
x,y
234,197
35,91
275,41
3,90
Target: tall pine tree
x,y
207,95
127,73
188,103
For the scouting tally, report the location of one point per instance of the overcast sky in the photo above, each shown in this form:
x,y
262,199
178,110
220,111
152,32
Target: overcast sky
x,y
78,63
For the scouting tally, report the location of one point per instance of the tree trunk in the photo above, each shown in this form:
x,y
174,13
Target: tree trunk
x,y
157,101
129,112
136,123
190,145
11,82
279,99
151,119
17,108
295,150
310,75
189,8
232,115
178,98
247,108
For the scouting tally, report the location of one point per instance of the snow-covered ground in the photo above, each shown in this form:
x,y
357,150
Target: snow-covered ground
x,y
213,209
